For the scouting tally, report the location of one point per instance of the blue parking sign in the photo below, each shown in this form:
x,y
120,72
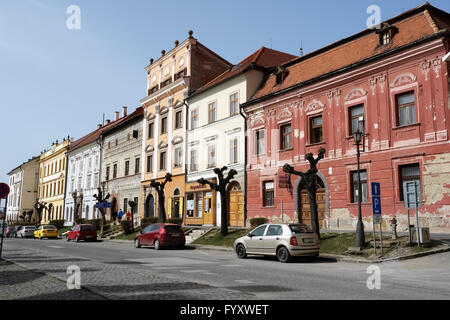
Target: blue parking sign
x,y
376,200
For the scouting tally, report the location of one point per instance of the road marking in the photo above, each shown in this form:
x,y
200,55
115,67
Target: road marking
x,y
210,273
244,281
232,265
56,247
170,261
165,268
193,271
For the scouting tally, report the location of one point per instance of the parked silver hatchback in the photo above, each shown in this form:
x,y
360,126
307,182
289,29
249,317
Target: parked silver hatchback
x,y
281,240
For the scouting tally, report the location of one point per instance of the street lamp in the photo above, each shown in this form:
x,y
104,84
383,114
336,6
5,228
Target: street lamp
x,y
358,136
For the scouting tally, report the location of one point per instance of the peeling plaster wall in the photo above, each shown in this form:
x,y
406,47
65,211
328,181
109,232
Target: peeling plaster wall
x,y
436,179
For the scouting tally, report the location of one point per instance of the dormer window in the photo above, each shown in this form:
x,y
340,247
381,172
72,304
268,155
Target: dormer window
x,y
386,33
280,74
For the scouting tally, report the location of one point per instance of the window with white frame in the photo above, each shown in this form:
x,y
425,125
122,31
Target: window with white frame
x,y
211,156
178,156
234,155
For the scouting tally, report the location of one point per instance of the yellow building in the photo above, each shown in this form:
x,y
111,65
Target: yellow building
x,y
186,67
52,180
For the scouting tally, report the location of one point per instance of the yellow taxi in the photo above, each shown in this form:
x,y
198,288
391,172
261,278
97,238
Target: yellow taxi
x,y
47,231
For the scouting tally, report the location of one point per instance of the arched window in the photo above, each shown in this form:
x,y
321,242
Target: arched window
x,y
176,192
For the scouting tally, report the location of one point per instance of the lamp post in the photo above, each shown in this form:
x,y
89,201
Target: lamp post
x,y
358,136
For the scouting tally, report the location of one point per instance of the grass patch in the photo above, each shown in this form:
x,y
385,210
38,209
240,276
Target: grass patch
x,y
338,243
130,236
215,238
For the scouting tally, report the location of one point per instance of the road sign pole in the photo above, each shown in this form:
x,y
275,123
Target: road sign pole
x,y
419,240
3,227
374,237
409,226
381,236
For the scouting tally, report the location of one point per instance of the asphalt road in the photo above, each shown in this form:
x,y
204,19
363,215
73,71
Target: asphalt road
x,y
221,275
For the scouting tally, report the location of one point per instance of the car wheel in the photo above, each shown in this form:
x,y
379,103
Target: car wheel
x,y
136,243
76,239
240,251
40,238
157,245
283,254
68,239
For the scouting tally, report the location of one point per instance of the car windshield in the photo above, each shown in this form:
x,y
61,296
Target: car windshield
x,y
173,228
300,228
49,227
87,228
29,228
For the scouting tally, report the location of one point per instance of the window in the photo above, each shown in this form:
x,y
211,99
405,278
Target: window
x,y
162,161
409,173
260,143
127,168
164,125
286,140
194,119
354,184
268,194
150,163
194,166
137,165
107,173
211,156
96,182
211,112
385,37
259,232
234,104
89,182
234,150
275,230
199,207
151,128
178,156
316,129
355,114
115,171
125,205
178,119
406,109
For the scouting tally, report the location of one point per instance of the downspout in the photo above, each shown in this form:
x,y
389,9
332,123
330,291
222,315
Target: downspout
x,y
185,162
241,112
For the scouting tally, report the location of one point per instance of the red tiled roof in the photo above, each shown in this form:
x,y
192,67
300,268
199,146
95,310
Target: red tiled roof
x,y
413,25
262,58
94,135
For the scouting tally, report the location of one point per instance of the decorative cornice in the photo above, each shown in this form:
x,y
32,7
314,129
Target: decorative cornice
x,y
177,140
404,78
314,106
284,114
355,94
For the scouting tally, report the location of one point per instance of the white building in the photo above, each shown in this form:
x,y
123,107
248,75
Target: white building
x,y
23,184
83,178
216,137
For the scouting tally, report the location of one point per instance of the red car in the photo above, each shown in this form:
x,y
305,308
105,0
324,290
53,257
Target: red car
x,y
161,235
82,232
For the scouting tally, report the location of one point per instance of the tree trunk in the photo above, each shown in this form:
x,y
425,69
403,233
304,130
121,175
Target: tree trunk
x,y
161,208
314,215
224,213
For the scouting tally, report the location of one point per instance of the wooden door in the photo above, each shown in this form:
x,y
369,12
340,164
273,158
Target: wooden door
x,y
236,206
208,209
306,210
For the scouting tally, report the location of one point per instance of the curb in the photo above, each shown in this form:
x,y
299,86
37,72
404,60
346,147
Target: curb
x,y
340,257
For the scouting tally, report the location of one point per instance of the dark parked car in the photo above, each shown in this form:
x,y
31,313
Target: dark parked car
x,y
161,235
86,232
11,232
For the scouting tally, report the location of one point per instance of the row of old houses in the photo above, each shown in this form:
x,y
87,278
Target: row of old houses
x,y
201,112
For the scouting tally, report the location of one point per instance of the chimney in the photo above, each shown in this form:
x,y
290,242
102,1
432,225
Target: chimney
x,y
99,126
108,121
124,111
117,115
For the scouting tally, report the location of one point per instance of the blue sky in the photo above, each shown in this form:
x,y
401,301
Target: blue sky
x,y
56,82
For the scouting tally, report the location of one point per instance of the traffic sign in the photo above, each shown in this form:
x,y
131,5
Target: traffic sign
x,y
103,205
376,200
411,194
4,190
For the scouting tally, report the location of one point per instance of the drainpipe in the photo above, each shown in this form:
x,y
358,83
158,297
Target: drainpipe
x,y
242,113
185,161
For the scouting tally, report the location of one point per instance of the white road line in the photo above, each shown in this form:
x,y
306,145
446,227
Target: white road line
x,y
193,271
56,247
244,281
232,265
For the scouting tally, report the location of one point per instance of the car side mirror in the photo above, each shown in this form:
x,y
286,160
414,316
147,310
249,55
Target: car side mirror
x,y
250,235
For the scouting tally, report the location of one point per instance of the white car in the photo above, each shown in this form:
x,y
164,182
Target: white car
x,y
281,240
26,232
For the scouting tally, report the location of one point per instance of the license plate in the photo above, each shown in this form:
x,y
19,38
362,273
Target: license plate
x,y
175,234
308,240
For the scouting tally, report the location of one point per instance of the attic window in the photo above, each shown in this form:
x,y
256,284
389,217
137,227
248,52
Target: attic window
x,y
386,33
280,75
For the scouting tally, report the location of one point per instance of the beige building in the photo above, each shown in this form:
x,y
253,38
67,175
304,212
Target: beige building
x,y
52,180
23,183
171,78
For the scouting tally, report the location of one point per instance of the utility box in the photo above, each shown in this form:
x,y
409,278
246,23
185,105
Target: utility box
x,y
425,235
